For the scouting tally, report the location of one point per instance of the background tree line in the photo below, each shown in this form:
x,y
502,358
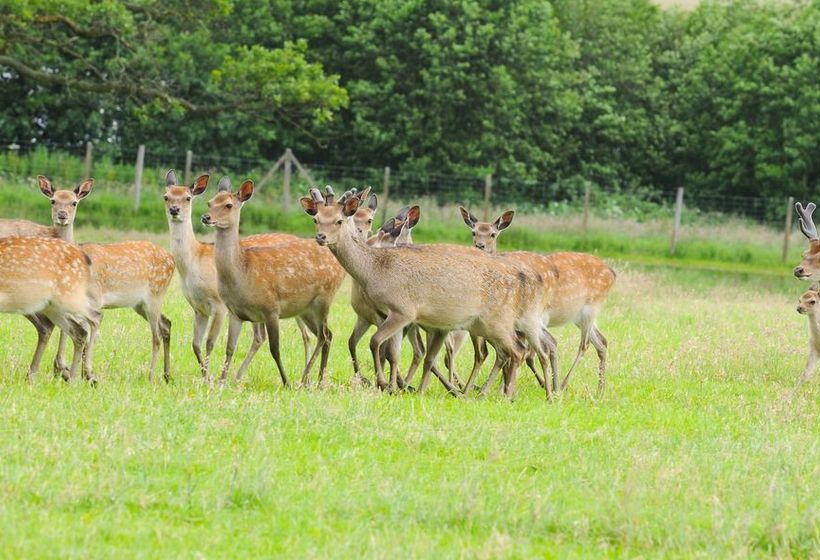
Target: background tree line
x,y
724,99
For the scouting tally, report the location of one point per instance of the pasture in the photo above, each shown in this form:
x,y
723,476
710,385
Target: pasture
x,y
692,451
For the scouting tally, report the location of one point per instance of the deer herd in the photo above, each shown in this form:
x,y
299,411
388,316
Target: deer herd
x,y
449,293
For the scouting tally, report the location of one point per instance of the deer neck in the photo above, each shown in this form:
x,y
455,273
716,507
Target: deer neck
x,y
355,255
814,329
66,233
184,244
228,255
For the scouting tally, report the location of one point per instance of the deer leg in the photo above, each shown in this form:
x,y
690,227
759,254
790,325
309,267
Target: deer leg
x,y
200,326
165,333
500,360
259,334
435,340
601,345
414,338
328,338
272,326
93,335
393,323
44,328
218,314
59,366
234,330
582,347
479,355
807,372
150,314
452,345
538,340
79,333
303,331
317,330
358,332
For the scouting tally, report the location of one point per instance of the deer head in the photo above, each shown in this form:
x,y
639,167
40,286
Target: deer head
x,y
328,215
485,233
809,267
178,198
397,231
63,202
224,208
807,304
363,218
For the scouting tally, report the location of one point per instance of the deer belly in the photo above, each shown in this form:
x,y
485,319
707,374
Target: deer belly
x,y
113,299
23,304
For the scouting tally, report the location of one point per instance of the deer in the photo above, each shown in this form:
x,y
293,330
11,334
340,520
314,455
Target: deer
x,y
263,284
809,267
807,305
50,282
582,287
198,278
128,274
433,286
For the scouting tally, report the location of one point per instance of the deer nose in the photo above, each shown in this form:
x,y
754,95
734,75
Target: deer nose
x,y
321,237
62,215
206,219
174,210
479,246
798,271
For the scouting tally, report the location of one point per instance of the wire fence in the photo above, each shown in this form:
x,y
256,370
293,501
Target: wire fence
x,y
107,164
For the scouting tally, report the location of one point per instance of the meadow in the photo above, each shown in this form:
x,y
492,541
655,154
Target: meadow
x,y
693,451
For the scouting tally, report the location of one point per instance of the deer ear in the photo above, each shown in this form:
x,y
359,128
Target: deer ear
x,y
373,202
351,204
309,205
413,217
505,220
200,184
468,218
171,178
814,287
245,191
84,188
45,186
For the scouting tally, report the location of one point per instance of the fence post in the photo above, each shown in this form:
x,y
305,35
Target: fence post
x,y
488,194
286,183
138,176
788,229
676,225
89,150
385,192
587,188
189,159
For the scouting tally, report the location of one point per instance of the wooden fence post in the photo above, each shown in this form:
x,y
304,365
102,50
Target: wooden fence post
x,y
385,193
138,176
286,182
488,194
89,150
189,160
586,208
676,225
788,229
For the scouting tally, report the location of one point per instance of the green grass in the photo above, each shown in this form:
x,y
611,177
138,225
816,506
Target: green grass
x,y
692,452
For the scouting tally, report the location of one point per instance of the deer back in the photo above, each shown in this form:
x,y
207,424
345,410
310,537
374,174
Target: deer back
x,y
10,228
130,271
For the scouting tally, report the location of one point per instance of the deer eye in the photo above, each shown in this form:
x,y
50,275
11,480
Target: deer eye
x,y
188,199
492,235
473,234
229,206
339,222
370,221
166,198
74,203
53,202
315,221
811,302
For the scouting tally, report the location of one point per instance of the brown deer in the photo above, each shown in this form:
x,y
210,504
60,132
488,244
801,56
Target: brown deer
x,y
809,267
582,287
808,306
263,284
433,286
50,282
133,274
198,278
63,210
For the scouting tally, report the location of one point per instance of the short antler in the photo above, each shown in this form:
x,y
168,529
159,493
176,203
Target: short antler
x,y
316,195
329,195
806,223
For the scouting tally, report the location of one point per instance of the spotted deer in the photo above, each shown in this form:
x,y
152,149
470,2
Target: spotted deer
x,y
129,274
198,278
263,284
50,282
807,305
433,286
582,287
809,267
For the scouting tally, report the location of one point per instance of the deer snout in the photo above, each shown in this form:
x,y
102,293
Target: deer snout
x,y
480,245
799,272
174,210
206,219
62,215
321,238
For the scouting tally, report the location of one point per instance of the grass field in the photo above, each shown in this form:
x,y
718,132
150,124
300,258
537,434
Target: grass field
x,y
693,451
